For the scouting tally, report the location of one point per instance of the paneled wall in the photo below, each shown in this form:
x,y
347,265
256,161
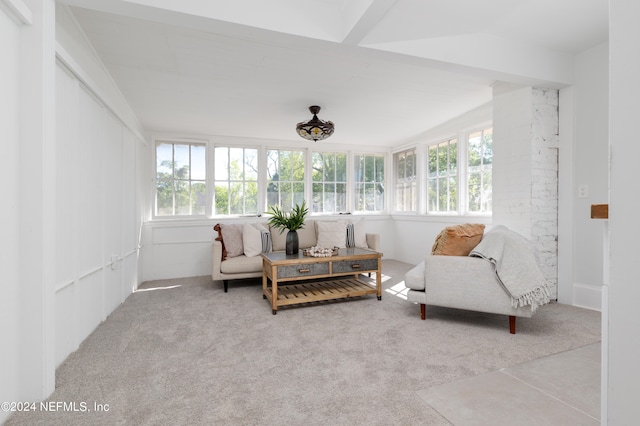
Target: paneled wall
x,y
97,212
9,213
182,248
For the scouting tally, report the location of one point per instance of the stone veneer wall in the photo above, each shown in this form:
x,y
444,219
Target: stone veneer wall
x,y
525,169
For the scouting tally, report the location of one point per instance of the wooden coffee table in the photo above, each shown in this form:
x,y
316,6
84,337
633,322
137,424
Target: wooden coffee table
x,y
334,277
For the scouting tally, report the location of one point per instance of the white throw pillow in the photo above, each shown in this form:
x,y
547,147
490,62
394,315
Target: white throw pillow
x,y
252,240
256,239
360,235
331,234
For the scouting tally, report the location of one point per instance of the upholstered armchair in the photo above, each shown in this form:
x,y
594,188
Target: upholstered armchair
x,y
476,282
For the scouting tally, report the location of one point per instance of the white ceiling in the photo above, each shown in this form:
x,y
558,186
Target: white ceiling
x,y
383,71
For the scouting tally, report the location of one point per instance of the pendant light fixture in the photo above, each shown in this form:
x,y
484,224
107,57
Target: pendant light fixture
x,y
315,129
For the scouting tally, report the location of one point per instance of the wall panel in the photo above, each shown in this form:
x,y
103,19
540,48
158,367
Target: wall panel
x,y
66,174
96,209
66,324
89,302
9,213
90,210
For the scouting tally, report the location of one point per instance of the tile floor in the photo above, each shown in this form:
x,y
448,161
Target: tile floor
x,y
561,389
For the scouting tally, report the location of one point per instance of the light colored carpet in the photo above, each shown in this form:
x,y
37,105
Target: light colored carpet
x,y
185,352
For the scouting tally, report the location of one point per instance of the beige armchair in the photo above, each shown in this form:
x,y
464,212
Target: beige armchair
x,y
500,276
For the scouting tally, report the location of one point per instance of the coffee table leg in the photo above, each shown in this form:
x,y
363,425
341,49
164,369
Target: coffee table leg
x,y
379,281
264,285
274,293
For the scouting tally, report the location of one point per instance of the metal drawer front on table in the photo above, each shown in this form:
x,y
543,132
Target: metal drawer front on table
x,y
291,271
355,265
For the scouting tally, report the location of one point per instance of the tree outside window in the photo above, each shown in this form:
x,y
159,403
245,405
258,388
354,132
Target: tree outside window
x,y
369,182
406,186
180,179
236,181
329,182
285,178
479,171
442,177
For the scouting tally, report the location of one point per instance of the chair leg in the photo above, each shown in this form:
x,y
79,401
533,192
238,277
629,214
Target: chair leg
x,y
512,324
423,311
226,285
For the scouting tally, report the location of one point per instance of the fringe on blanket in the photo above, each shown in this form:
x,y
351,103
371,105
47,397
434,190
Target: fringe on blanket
x,y
537,297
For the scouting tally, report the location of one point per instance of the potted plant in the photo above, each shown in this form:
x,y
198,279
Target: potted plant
x,y
292,221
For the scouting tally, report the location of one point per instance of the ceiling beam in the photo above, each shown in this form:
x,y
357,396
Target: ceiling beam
x,y
367,20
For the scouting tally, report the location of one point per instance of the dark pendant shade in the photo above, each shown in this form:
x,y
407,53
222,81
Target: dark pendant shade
x,y
315,129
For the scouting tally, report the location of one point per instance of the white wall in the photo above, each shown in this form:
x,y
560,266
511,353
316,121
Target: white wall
x,y
182,248
590,170
525,169
9,213
71,222
414,236
623,346
97,217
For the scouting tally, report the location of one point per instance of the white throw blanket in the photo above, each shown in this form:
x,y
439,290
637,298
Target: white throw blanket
x,y
516,266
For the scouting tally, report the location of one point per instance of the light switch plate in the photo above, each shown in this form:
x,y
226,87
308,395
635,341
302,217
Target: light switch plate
x,y
583,191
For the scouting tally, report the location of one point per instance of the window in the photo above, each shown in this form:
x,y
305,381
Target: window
x,y
329,182
204,179
442,177
458,186
479,171
406,188
369,182
285,178
180,179
236,181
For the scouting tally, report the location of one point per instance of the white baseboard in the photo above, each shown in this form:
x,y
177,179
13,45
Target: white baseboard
x,y
587,296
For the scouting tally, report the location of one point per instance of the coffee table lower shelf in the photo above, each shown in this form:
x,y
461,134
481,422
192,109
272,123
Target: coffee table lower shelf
x,y
315,291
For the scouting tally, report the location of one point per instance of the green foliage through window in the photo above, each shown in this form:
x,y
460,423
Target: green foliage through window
x,y
369,182
180,179
329,182
406,185
442,177
236,181
285,178
479,172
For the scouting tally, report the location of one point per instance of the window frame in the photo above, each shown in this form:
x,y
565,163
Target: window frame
x,y
468,134
324,182
422,163
230,181
413,181
305,180
449,176
173,142
355,183
210,145
462,136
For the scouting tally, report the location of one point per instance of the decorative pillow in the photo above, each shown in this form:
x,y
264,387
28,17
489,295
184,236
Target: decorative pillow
x,y
218,229
356,235
331,234
232,236
265,238
251,240
458,240
255,239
